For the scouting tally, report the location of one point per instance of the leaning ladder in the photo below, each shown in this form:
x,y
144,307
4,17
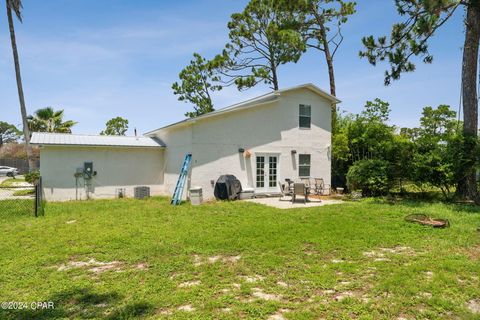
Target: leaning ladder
x,y
177,194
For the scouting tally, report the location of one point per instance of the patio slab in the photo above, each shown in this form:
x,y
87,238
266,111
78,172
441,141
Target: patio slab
x,y
286,203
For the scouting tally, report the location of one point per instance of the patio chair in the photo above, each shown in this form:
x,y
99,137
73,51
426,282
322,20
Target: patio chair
x,y
289,181
321,188
305,181
299,189
285,189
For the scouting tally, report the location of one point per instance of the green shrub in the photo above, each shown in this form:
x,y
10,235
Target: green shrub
x,y
32,176
370,176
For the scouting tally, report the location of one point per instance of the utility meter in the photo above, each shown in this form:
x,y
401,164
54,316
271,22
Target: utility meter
x,y
88,170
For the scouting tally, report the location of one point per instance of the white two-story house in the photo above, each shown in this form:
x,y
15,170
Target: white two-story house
x,y
282,134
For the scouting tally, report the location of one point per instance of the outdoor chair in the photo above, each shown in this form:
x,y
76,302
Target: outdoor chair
x,y
299,189
305,181
289,181
285,189
320,187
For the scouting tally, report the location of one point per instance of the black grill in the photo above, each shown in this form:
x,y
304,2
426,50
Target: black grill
x,y
228,187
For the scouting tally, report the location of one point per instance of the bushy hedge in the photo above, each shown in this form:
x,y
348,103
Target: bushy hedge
x,y
370,176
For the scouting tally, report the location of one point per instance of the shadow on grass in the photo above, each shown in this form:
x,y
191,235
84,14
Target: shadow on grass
x,y
83,304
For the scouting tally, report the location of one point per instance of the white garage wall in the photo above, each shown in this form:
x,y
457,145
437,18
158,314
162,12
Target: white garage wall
x,y
116,167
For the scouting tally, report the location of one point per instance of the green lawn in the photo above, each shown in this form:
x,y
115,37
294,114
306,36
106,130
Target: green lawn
x,y
145,259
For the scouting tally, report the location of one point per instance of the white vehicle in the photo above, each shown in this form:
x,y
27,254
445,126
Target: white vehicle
x,y
8,171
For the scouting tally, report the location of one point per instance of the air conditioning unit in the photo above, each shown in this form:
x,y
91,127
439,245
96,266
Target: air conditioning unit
x,y
141,192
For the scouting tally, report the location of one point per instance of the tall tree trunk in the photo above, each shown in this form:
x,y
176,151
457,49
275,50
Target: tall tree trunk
x,y
467,186
275,79
331,73
328,58
23,110
273,67
323,39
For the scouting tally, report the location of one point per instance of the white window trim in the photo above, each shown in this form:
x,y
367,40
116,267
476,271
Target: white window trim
x,y
303,116
309,165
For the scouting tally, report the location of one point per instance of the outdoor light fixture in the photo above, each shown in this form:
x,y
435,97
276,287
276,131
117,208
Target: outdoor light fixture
x,y
241,150
294,151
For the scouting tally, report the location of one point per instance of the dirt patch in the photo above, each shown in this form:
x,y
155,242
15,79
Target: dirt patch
x,y
473,252
326,292
91,265
213,259
231,259
165,312
282,284
381,254
186,308
141,266
474,306
398,250
98,267
198,260
188,284
309,249
423,295
106,266
253,279
341,285
381,259
343,295
260,294
278,315
338,261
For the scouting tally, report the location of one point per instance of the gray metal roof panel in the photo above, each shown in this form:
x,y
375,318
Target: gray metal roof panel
x,y
64,139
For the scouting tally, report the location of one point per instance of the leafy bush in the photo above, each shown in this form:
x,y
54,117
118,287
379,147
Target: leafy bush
x,y
370,176
32,176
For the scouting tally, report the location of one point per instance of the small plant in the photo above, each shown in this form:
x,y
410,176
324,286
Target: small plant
x,y
32,177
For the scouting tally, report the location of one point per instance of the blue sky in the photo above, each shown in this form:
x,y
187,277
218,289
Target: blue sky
x,y
101,59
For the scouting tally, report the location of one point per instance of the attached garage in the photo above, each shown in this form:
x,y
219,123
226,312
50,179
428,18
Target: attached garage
x,y
83,167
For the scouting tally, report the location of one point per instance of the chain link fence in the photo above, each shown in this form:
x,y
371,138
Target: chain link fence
x,y
20,198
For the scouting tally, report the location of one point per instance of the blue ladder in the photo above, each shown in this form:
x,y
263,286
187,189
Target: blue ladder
x,y
177,194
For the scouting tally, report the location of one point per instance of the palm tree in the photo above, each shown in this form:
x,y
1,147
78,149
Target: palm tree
x,y
49,120
16,6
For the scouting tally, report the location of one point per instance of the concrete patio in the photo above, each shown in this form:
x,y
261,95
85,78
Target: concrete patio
x,y
286,203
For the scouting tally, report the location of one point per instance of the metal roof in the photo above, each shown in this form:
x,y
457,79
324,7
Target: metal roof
x,y
266,98
65,139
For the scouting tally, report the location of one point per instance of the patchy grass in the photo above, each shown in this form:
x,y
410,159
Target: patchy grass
x,y
11,182
128,258
23,192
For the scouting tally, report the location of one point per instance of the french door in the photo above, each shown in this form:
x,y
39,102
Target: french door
x,y
266,173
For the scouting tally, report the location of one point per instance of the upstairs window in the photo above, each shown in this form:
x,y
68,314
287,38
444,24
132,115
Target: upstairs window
x,y
305,116
304,165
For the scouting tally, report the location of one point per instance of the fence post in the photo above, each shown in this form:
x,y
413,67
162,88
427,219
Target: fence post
x,y
38,197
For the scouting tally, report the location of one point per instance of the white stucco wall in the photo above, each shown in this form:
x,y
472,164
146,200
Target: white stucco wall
x,y
116,168
270,128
